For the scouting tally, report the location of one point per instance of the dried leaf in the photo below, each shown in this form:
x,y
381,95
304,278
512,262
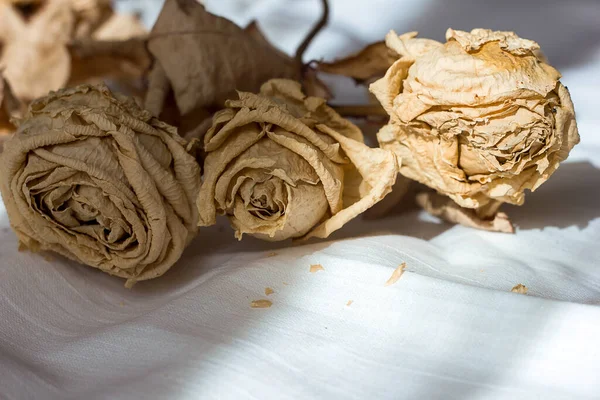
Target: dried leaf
x,y
371,62
364,67
447,209
269,291
124,61
479,118
316,268
521,289
283,165
108,46
100,181
191,49
261,304
396,275
209,45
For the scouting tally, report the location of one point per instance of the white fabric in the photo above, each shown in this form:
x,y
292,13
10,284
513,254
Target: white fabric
x,y
449,328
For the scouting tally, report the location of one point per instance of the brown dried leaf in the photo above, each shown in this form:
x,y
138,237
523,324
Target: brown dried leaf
x,y
313,86
371,62
193,48
446,209
108,46
94,61
261,304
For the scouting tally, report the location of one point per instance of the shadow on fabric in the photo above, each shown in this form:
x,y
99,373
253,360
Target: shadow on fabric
x,y
570,197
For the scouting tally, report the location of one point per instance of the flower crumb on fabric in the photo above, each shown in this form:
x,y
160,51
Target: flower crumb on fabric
x,y
315,268
397,274
261,304
272,254
349,303
521,289
269,291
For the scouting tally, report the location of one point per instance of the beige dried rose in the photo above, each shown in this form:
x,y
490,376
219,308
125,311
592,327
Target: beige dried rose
x,y
100,181
480,118
283,165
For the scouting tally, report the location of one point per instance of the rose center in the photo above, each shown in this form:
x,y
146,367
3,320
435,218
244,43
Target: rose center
x,y
84,210
265,200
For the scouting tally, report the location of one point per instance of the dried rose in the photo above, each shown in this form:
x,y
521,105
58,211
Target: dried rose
x,y
100,181
480,118
283,165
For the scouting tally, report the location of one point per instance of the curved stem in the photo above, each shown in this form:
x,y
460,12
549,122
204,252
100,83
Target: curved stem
x,y
314,32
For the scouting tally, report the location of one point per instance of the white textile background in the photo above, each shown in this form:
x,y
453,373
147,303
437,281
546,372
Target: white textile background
x,y
449,328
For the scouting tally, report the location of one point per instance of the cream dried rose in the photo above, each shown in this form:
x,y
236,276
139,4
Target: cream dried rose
x,y
283,165
100,181
480,118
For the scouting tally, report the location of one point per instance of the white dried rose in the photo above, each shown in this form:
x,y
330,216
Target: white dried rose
x,y
100,181
480,118
283,165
